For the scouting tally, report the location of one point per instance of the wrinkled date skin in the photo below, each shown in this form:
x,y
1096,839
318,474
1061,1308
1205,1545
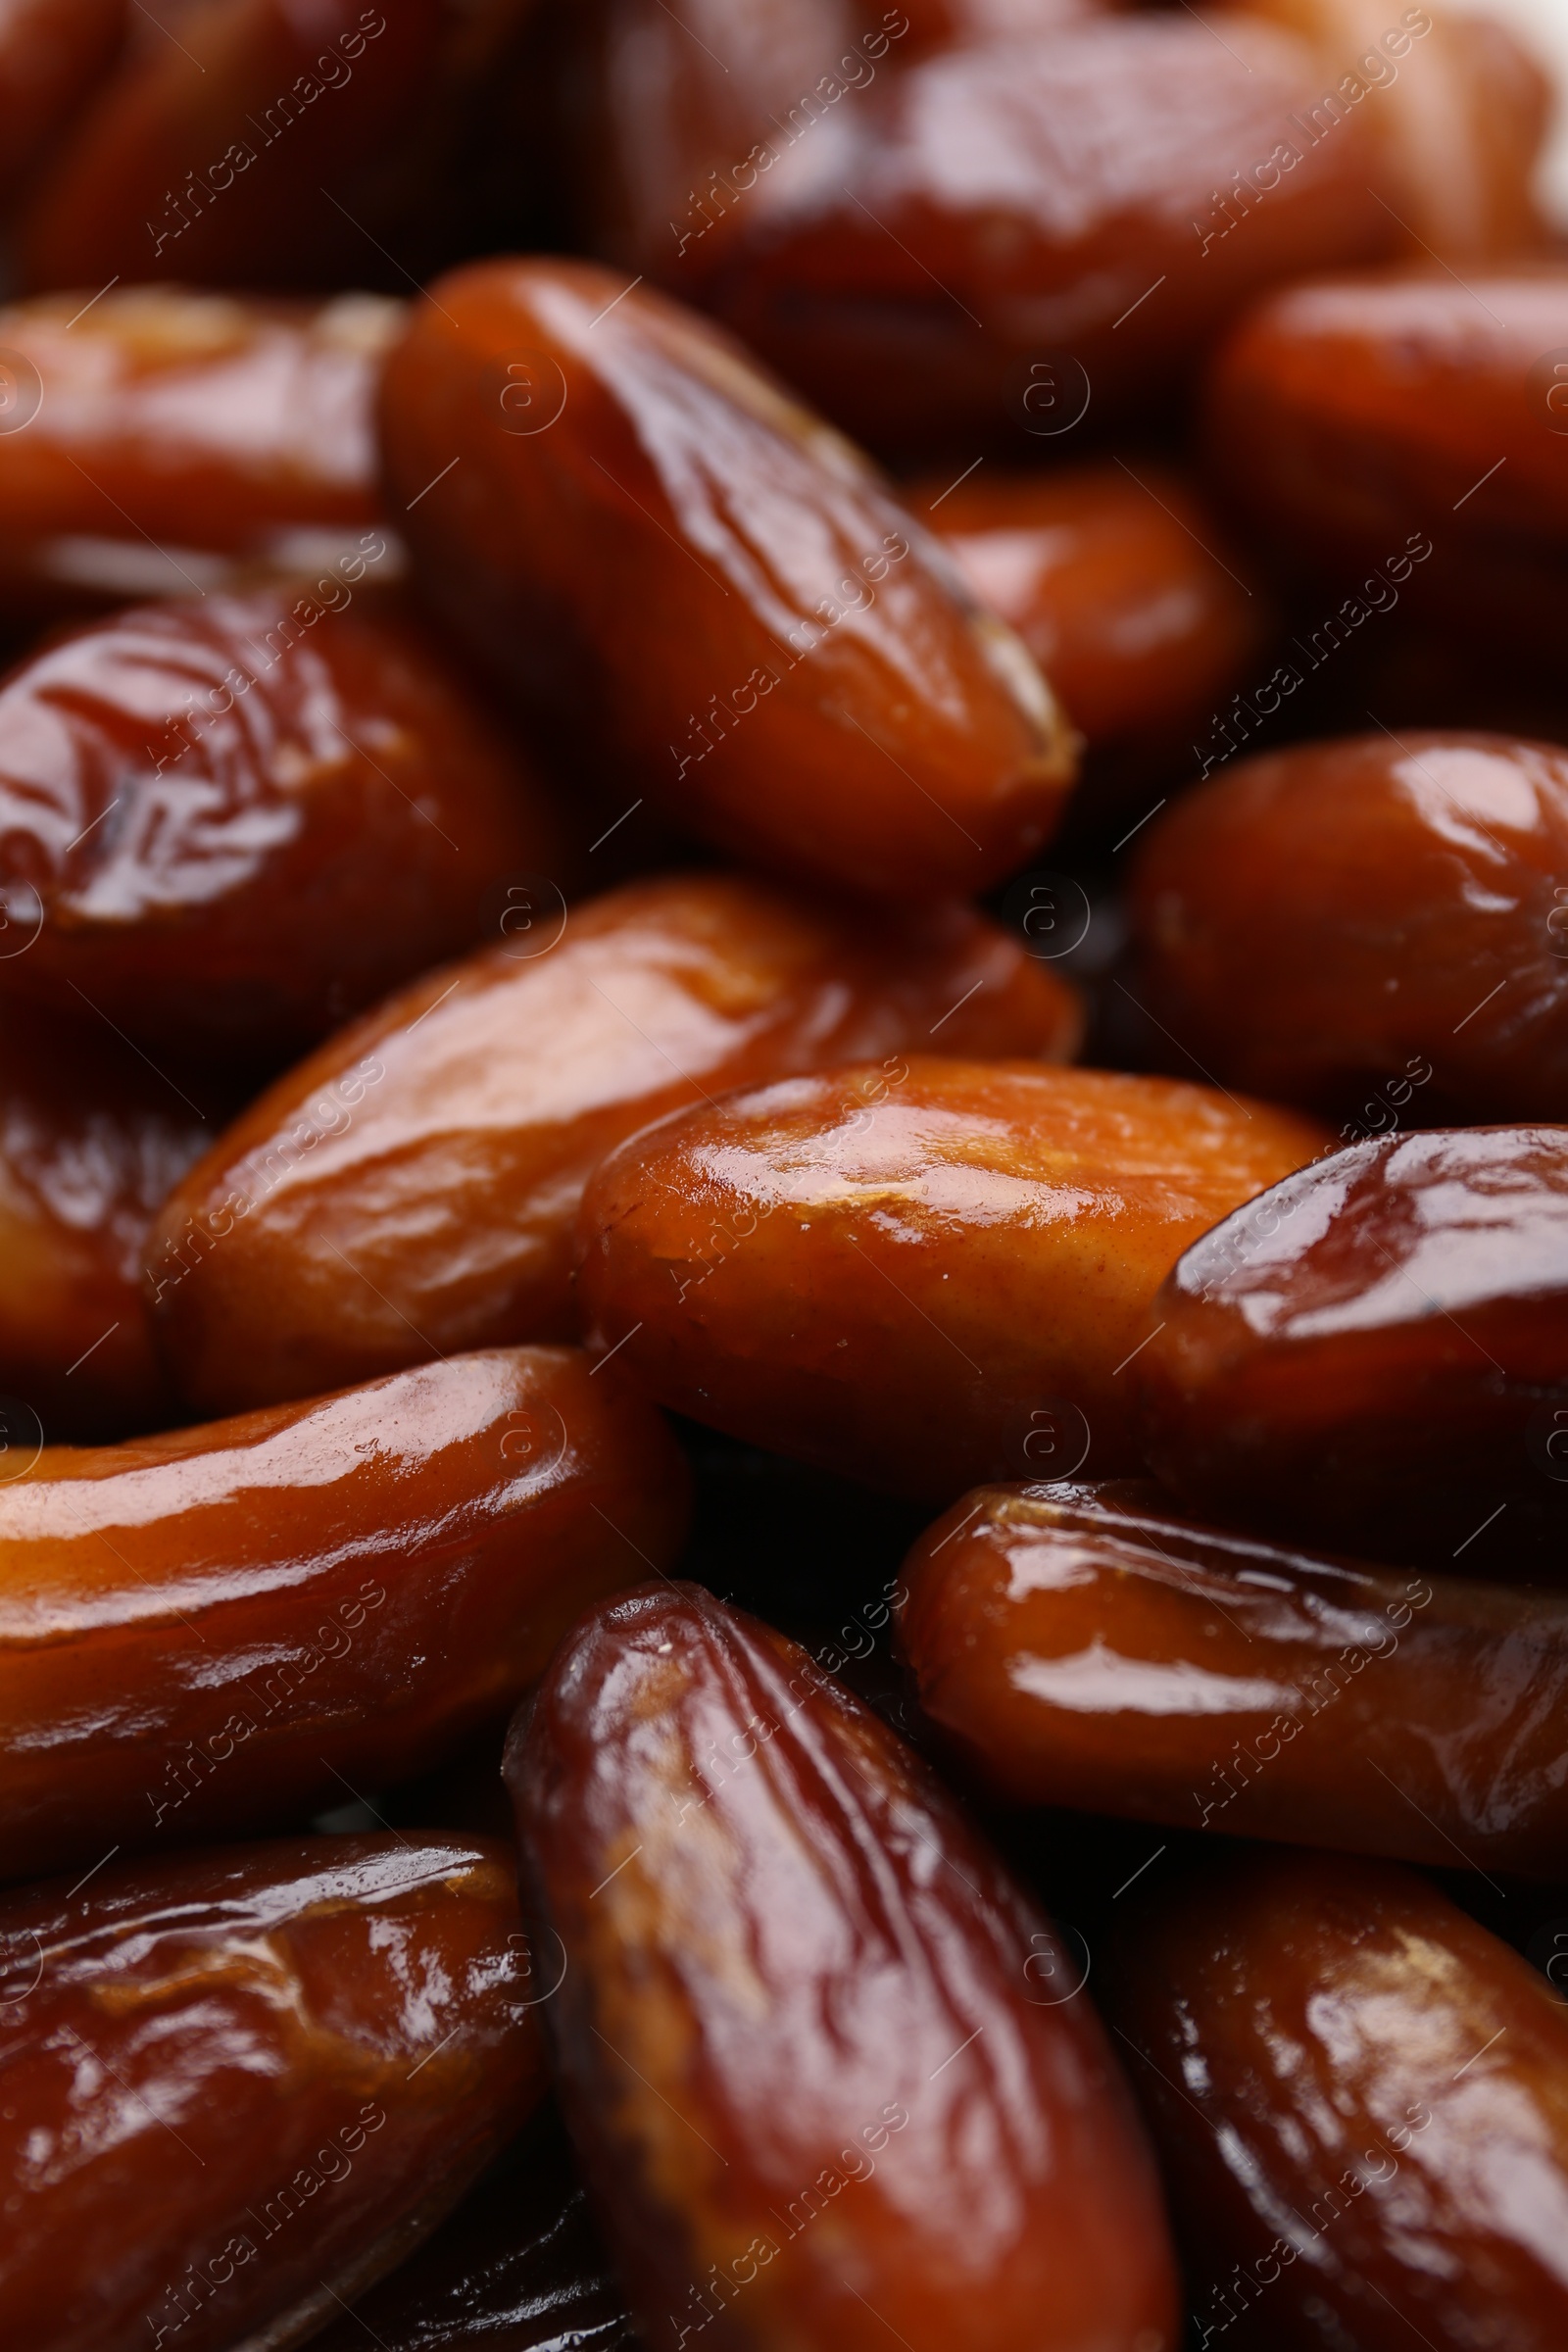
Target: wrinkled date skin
x,y
1361,2102
519,2268
176,438
694,583
1084,1648
1010,234
211,1628
920,1277
233,822
92,1145
1112,583
1374,926
51,54
412,1189
794,2037
237,2084
1376,1349
1352,420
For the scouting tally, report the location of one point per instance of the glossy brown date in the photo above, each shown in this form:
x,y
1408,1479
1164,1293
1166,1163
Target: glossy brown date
x,y
1376,1349
92,1145
1011,235
161,441
236,2085
51,54
701,591
412,1187
1361,2102
922,1275
798,2038
1350,419
1083,1647
229,823
217,1628
1122,586
517,2268
1375,926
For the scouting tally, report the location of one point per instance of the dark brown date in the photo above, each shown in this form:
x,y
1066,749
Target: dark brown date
x,y
796,2037
236,2086
51,54
1361,2100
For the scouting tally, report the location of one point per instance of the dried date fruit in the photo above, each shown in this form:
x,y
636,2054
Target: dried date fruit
x,y
1086,1646
1376,1350
219,1627
412,1189
1361,2100
705,595
236,2085
922,1276
234,822
51,54
1373,926
798,2038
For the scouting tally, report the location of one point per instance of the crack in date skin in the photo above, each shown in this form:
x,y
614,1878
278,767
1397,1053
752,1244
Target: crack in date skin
x,y
236,2083
795,2039
1360,2100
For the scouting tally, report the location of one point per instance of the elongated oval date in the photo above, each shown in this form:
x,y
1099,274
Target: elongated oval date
x,y
92,1145
1376,1349
51,54
163,440
692,582
1012,235
517,2268
1084,1648
920,1277
412,1189
1361,2100
219,1627
236,2084
1114,583
1375,419
231,823
1375,926
795,2038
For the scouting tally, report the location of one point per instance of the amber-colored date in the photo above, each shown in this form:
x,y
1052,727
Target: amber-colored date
x,y
1376,1350
51,54
1361,2100
219,1627
412,1189
1012,235
1375,926
237,2086
233,822
692,582
1083,1647
800,2038
1112,580
166,441
923,1277
92,1145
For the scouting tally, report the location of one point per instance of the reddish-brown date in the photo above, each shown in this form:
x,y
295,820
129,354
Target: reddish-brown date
x,y
1010,236
698,589
799,2036
229,1625
231,822
161,441
92,1145
1376,926
517,2268
1121,585
51,54
1352,419
1376,1349
920,1277
236,2085
412,1189
1083,1647
1361,2100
